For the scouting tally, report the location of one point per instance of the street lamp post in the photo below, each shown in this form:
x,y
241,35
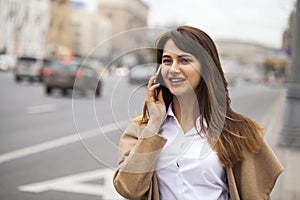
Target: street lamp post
x,y
290,133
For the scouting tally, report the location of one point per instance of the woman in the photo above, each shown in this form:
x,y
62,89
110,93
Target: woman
x,y
189,143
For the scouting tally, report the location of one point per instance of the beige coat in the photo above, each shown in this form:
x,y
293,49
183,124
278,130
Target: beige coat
x,y
251,179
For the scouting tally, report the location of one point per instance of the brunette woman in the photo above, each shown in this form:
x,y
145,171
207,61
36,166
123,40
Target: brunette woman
x,y
189,143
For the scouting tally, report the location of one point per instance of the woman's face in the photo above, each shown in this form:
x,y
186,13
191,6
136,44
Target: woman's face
x,y
180,70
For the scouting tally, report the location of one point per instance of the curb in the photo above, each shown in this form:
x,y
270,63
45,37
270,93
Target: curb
x,y
286,186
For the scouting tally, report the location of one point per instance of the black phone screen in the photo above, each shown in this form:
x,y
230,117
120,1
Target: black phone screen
x,y
159,80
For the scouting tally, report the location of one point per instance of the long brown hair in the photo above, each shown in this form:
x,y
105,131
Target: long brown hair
x,y
229,133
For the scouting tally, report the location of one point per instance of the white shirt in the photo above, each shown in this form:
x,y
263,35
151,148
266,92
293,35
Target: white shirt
x,y
187,167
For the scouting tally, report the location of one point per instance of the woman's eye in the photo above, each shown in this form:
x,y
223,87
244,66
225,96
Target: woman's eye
x,y
166,62
185,61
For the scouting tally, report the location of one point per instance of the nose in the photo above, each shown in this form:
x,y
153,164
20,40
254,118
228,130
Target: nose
x,y
174,69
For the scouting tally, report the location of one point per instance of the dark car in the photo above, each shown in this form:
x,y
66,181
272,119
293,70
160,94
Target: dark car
x,y
70,74
141,74
30,68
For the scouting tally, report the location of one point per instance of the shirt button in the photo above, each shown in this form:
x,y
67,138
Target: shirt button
x,y
177,164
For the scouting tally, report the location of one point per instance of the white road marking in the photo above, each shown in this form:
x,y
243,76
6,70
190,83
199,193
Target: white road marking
x,y
76,137
41,109
78,183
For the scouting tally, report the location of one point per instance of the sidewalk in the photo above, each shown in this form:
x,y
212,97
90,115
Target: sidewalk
x,y
287,186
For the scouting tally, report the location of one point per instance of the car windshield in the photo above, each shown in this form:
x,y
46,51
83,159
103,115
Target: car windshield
x,y
33,60
27,59
64,66
30,61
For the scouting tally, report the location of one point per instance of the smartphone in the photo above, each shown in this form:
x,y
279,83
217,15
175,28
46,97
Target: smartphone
x,y
158,80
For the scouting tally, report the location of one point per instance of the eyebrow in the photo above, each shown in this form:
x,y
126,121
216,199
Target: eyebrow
x,y
181,56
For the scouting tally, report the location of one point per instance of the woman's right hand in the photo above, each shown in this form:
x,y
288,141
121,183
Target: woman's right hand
x,y
155,105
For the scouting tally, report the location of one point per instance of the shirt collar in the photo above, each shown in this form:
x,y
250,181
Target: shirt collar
x,y
170,110
170,113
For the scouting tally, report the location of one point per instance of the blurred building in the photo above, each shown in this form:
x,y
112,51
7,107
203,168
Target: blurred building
x,y
24,24
59,37
243,52
124,15
269,62
288,37
10,21
289,34
89,32
244,60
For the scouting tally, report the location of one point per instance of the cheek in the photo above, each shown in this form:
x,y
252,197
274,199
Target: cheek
x,y
164,72
194,77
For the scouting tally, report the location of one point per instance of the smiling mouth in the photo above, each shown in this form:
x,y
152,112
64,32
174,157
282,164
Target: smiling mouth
x,y
176,80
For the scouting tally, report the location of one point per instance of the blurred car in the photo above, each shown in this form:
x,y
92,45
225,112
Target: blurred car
x,y
30,68
141,74
7,62
45,63
70,74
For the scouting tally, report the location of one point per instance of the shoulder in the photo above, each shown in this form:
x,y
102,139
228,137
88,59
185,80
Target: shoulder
x,y
256,175
264,159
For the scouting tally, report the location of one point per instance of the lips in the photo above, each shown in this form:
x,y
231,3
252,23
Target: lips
x,y
176,80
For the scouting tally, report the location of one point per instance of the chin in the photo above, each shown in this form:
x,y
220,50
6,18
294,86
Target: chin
x,y
180,91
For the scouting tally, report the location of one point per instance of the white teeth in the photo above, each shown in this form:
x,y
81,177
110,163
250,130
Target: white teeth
x,y
176,79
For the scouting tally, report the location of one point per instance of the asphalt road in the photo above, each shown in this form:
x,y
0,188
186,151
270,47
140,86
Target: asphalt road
x,y
65,147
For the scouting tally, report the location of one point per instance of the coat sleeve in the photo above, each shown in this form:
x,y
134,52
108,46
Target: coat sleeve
x,y
256,175
138,152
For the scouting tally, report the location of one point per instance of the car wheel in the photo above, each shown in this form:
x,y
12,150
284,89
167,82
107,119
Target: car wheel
x,y
64,92
18,78
48,90
31,80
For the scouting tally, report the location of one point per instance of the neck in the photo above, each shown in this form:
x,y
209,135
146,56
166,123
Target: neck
x,y
184,108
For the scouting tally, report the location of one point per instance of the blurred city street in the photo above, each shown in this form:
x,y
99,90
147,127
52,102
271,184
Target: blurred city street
x,y
60,143
42,156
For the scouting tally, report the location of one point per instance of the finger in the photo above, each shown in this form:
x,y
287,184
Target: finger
x,y
151,81
151,90
154,86
151,94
